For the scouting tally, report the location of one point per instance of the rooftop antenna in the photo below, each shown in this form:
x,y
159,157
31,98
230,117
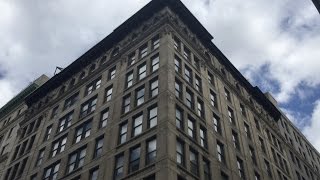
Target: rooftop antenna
x,y
58,70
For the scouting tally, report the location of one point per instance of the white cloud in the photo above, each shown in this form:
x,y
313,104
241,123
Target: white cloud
x,y
312,131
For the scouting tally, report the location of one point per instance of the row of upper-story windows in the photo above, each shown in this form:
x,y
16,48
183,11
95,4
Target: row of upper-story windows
x,y
16,171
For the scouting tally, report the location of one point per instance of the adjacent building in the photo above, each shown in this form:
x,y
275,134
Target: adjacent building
x,y
156,99
317,4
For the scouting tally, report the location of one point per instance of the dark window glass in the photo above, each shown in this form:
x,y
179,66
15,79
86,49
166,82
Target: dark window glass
x,y
134,161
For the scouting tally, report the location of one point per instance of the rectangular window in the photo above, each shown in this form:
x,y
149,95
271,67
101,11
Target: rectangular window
x,y
227,95
200,108
213,99
252,155
123,129
48,133
65,122
108,94
126,103
177,43
177,64
203,137
256,176
243,110
131,59
134,163
98,147
70,101
235,140
88,107
217,123
137,125
112,73
206,169
152,117
154,90
155,63
104,118
129,79
268,168
188,74
140,96
231,116
118,170
194,162
220,151
143,51
151,151
94,173
187,54
51,172
189,99
179,118
196,62
142,71
180,152
198,84
191,128
155,42
262,146
257,124
58,146
40,157
240,168
54,113
93,86
178,89
247,130
76,159
83,131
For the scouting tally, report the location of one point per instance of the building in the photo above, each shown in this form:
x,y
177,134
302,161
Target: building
x,y
11,114
156,99
317,4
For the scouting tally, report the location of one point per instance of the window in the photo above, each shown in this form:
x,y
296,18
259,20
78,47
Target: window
x,y
154,90
104,118
143,50
82,75
34,177
98,147
263,148
213,99
134,162
108,95
224,176
187,54
210,78
231,116
217,123
227,95
188,74
203,137
247,130
76,159
180,152
93,86
178,89
152,117
256,176
123,132
51,172
197,63
193,162
151,151
257,124
140,96
48,133
189,99
118,171
155,42
132,59
83,131
177,64
200,108
94,173
65,122
252,155
40,157
129,79
137,125
126,103
115,52
206,169
240,168
177,43
198,84
142,71
54,113
179,118
268,168
220,151
191,128
88,107
235,140
70,101
243,110
155,63
58,146
112,73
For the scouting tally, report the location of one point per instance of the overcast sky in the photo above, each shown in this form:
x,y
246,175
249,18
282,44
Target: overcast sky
x,y
274,43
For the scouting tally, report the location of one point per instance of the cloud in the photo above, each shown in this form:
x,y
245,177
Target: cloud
x,y
312,130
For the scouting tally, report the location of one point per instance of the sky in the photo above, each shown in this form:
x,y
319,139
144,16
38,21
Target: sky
x,y
274,43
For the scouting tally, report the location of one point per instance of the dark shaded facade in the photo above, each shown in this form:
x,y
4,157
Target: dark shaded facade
x,y
156,99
